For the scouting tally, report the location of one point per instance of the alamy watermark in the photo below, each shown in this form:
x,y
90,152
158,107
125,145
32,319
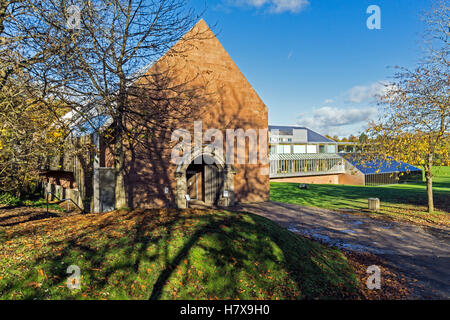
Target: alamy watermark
x,y
238,145
74,280
374,280
374,20
74,17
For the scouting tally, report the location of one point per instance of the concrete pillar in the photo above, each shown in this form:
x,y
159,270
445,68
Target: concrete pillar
x,y
229,184
181,189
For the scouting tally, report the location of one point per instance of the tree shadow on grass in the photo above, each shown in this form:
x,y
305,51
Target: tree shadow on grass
x,y
191,254
26,216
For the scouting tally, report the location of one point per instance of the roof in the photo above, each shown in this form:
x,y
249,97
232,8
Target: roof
x,y
312,136
304,156
388,165
99,120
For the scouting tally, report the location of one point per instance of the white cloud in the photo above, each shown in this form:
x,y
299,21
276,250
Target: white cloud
x,y
329,120
328,101
293,6
276,6
360,94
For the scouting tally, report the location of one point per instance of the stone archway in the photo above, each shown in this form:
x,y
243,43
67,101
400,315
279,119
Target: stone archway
x,y
225,196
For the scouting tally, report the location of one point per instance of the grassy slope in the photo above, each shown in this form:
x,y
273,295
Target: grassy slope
x,y
402,202
162,254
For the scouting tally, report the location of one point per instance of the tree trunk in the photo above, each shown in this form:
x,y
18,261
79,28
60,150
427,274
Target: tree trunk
x,y
429,179
119,164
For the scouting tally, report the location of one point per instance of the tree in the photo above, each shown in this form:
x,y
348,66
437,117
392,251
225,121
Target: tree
x,y
352,138
415,124
95,66
363,138
27,127
27,135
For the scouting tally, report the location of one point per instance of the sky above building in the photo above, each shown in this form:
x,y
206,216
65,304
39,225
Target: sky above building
x,y
316,63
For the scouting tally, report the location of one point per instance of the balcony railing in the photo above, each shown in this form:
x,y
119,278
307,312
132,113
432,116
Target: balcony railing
x,y
297,165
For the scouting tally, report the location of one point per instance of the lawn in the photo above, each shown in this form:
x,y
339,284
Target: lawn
x,y
405,202
169,254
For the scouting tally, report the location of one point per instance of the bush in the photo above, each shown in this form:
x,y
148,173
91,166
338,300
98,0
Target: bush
x,y
9,199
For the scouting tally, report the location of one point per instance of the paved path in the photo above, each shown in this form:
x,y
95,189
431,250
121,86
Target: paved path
x,y
418,253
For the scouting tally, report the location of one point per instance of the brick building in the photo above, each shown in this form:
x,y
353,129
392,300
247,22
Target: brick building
x,y
227,102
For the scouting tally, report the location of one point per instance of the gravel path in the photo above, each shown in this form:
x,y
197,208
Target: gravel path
x,y
421,255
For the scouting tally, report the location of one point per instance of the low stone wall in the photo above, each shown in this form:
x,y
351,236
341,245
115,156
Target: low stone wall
x,y
59,192
324,179
356,178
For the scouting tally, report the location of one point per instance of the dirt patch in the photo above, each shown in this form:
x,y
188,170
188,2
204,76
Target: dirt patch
x,y
393,285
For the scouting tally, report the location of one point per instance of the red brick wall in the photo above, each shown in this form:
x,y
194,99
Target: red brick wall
x,y
355,178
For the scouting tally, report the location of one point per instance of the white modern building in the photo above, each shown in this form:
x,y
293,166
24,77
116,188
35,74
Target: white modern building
x,y
299,154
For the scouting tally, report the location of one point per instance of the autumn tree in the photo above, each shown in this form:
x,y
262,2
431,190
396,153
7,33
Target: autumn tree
x,y
27,127
99,51
27,136
414,126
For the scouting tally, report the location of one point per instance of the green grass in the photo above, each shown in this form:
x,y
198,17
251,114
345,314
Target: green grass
x,y
406,202
441,176
169,254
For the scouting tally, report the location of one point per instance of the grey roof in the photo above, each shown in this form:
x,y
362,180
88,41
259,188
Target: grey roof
x,y
312,135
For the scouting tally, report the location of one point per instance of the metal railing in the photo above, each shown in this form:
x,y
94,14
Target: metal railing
x,y
306,167
62,200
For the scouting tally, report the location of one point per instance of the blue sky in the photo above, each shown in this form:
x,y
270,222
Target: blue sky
x,y
315,62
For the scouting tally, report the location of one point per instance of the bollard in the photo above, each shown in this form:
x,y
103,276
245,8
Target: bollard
x,y
374,204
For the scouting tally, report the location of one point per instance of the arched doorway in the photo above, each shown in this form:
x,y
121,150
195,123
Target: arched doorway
x,y
206,179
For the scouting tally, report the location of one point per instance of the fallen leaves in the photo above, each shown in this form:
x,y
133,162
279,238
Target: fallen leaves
x,y
393,285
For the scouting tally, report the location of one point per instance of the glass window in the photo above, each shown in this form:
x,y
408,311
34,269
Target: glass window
x,y
311,149
331,148
300,149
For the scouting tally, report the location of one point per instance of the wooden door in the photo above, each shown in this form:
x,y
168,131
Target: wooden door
x,y
192,185
213,184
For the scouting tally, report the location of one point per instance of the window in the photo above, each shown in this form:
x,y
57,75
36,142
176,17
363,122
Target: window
x,y
282,149
321,148
311,149
331,148
300,149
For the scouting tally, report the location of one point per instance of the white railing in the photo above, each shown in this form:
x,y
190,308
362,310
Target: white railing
x,y
304,166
